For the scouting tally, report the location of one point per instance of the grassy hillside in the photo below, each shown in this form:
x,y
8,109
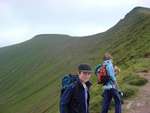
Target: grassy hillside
x,y
31,71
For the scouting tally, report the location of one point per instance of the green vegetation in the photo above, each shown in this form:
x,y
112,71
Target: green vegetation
x,y
134,80
31,71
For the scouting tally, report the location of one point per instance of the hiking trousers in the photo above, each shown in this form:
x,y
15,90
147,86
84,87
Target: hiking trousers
x,y
108,95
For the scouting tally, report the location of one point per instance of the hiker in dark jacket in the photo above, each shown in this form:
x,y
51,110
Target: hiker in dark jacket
x,y
111,87
75,99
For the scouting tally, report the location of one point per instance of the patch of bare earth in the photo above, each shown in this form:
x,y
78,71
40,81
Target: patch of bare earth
x,y
141,103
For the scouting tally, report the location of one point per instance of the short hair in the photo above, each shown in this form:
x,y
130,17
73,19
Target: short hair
x,y
107,56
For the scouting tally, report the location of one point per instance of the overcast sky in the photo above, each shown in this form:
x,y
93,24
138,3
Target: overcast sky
x,y
20,20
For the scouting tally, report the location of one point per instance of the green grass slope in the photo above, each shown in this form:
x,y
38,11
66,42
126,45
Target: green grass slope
x,y
31,71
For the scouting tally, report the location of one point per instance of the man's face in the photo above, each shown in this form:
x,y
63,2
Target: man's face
x,y
84,76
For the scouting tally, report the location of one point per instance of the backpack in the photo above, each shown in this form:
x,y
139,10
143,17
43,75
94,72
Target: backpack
x,y
97,69
101,73
67,81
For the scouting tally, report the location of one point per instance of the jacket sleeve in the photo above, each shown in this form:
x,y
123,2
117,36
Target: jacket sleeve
x,y
110,71
65,99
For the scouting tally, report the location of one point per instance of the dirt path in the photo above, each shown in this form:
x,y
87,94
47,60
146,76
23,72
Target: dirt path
x,y
140,104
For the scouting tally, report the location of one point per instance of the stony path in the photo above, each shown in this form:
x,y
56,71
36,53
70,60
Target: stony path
x,y
140,104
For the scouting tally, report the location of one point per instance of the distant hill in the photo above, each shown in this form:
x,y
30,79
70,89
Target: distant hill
x,y
30,72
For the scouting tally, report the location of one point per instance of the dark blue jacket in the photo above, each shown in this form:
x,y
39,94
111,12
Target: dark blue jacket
x,y
73,99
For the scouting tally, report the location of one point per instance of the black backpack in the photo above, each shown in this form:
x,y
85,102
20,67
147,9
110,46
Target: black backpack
x,y
67,81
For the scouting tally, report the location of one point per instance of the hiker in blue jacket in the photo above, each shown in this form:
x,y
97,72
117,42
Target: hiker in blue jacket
x,y
75,99
111,87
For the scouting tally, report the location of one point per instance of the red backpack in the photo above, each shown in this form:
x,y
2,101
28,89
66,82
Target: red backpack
x,y
102,75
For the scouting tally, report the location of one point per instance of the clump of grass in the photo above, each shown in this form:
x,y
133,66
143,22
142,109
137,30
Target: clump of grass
x,y
128,90
138,82
134,79
95,104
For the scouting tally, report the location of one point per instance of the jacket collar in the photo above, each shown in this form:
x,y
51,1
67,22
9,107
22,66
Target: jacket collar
x,y
88,83
107,61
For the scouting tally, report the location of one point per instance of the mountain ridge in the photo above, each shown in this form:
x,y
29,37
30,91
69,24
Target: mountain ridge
x,y
31,71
